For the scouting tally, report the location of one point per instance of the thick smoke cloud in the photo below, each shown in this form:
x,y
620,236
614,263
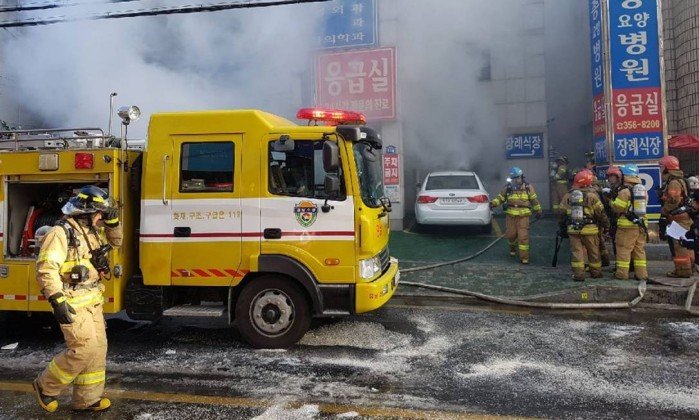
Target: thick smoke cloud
x,y
245,58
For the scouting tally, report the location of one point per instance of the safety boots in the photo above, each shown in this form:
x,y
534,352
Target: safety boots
x,y
46,402
100,405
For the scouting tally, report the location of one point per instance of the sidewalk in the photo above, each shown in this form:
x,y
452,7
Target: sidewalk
x,y
496,273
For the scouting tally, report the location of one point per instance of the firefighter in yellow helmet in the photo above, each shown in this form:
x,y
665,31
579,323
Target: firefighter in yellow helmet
x,y
673,197
583,218
519,200
632,232
71,263
559,181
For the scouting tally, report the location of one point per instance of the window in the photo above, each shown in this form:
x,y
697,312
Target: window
x,y
299,172
206,167
452,182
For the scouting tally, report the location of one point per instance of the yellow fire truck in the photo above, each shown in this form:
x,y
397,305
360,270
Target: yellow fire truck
x,y
236,213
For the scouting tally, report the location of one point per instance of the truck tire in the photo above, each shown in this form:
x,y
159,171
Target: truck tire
x,y
272,312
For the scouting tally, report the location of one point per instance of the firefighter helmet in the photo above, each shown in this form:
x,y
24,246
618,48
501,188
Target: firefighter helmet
x,y
562,158
613,170
583,179
670,163
90,199
516,172
629,169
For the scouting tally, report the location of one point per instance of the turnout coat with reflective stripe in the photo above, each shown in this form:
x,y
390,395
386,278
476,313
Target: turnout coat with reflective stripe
x,y
593,211
520,201
56,259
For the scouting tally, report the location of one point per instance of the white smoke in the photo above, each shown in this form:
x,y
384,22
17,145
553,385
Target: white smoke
x,y
242,58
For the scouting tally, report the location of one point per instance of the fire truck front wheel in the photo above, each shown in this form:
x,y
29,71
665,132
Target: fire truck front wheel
x,y
272,312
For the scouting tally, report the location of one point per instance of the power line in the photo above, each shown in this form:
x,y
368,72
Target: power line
x,y
153,12
53,5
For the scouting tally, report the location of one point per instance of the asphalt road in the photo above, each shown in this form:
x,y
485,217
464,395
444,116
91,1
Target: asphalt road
x,y
399,362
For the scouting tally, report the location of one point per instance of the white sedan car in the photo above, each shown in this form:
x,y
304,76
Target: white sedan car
x,y
453,198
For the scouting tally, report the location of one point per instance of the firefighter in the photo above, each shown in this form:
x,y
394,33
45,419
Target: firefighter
x,y
560,182
631,236
70,266
583,218
519,200
673,197
609,193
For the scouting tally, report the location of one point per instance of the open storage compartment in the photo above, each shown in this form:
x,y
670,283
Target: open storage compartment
x,y
31,205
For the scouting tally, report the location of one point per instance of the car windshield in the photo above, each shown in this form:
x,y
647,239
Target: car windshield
x,y
370,173
452,182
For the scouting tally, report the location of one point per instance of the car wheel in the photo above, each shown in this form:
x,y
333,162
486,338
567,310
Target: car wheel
x,y
272,312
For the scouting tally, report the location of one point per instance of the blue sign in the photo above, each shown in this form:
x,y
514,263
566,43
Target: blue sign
x,y
525,146
596,48
650,175
601,172
637,109
601,155
630,147
635,47
349,23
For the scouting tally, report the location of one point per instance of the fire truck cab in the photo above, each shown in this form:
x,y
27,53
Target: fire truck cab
x,y
240,213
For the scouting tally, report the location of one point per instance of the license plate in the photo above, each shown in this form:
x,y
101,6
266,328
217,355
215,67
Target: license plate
x,y
452,200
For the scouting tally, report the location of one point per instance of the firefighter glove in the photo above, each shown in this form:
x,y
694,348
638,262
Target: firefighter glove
x,y
61,308
111,217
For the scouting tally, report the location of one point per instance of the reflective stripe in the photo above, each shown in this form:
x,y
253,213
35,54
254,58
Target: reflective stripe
x,y
624,222
90,378
59,374
86,300
596,265
623,264
620,204
586,230
577,264
518,211
640,263
52,256
112,221
562,181
524,247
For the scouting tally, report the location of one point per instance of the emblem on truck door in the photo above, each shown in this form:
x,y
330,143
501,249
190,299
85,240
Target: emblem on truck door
x,y
306,213
4,271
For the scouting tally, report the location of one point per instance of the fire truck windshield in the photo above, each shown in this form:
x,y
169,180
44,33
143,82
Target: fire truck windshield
x,y
370,173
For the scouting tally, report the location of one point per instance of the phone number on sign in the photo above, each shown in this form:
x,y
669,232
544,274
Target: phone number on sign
x,y
634,125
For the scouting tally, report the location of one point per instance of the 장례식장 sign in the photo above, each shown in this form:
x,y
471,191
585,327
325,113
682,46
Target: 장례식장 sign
x,y
363,81
521,146
348,23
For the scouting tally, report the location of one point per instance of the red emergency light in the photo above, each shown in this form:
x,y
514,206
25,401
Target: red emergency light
x,y
84,160
331,116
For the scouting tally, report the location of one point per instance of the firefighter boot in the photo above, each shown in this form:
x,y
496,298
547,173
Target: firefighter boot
x,y
513,249
101,405
46,402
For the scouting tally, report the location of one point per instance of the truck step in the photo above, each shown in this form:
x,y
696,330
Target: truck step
x,y
196,310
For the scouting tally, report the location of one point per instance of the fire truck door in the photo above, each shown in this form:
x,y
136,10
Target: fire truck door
x,y
206,210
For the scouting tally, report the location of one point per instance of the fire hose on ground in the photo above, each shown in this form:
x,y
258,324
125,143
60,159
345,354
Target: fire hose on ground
x,y
546,305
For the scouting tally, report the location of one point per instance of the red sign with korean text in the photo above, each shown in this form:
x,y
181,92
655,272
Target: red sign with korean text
x,y
637,110
363,81
391,163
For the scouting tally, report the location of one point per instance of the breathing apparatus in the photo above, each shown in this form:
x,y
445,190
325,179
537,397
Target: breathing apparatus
x,y
577,209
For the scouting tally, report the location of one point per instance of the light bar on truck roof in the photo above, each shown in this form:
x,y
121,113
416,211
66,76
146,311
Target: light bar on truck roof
x,y
331,116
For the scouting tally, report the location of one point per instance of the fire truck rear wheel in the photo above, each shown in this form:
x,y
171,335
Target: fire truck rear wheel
x,y
272,312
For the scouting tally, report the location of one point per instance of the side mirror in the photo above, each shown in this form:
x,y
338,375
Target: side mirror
x,y
284,144
368,153
349,132
331,157
332,185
